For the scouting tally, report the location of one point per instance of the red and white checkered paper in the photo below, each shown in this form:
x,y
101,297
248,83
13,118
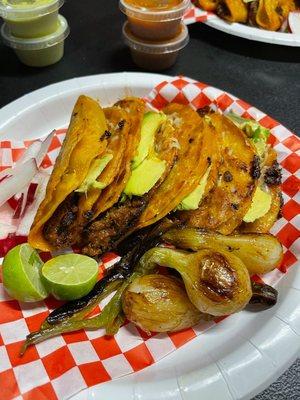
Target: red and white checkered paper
x,y
196,14
62,366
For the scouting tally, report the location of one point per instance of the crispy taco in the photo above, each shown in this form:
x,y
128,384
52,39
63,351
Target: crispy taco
x,y
103,140
270,14
123,168
232,10
126,199
246,195
81,146
230,197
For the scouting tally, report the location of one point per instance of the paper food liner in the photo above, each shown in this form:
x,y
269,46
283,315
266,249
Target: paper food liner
x,y
64,365
196,14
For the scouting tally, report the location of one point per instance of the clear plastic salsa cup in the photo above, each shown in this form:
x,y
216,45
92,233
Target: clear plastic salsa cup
x,y
154,23
155,56
30,18
38,52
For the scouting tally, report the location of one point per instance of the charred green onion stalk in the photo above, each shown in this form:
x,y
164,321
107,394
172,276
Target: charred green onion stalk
x,y
263,294
106,318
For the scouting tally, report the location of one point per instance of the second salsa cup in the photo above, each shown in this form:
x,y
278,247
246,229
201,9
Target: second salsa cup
x,y
153,20
31,18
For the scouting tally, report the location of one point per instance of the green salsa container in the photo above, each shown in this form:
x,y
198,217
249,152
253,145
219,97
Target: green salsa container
x,y
30,18
38,52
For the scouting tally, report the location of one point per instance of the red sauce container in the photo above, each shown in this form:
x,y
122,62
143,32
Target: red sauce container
x,y
153,55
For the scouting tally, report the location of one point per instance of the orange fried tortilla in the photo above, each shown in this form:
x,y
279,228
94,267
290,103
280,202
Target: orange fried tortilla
x,y
118,127
227,203
188,169
135,109
81,145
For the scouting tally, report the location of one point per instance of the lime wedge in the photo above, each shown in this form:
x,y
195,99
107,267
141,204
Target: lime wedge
x,y
22,274
70,276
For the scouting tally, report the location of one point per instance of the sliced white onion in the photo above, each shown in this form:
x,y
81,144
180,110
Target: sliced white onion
x,y
30,152
7,223
36,150
294,22
26,221
6,229
284,26
22,175
44,148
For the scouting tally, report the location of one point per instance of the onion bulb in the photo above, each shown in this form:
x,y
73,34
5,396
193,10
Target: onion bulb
x,y
217,282
159,303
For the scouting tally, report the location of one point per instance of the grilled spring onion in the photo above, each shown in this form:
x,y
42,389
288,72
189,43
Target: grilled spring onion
x,y
260,253
217,282
69,317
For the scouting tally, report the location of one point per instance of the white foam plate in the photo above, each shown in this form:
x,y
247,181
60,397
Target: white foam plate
x,y
252,33
236,359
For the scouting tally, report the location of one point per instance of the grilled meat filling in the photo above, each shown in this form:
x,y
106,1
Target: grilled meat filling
x,y
253,7
222,10
61,229
104,233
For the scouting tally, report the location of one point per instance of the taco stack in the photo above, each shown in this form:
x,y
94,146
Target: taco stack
x,y
123,168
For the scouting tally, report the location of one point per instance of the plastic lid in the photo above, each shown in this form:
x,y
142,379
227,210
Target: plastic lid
x,y
155,15
146,46
26,9
36,43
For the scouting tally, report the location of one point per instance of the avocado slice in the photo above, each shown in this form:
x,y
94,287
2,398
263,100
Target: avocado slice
x,y
192,201
260,205
97,166
151,123
145,176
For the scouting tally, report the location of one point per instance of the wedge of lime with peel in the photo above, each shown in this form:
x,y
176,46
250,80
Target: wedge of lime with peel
x,y
21,272
70,276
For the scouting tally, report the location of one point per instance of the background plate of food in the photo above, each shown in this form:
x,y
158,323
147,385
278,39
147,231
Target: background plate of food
x,y
214,169
240,21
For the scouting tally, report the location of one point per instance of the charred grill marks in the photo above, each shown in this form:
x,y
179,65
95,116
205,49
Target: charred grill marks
x,y
121,124
273,174
255,168
105,135
204,110
61,229
227,176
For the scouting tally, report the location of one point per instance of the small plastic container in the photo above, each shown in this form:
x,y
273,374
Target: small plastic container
x,y
30,18
155,56
38,52
154,24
